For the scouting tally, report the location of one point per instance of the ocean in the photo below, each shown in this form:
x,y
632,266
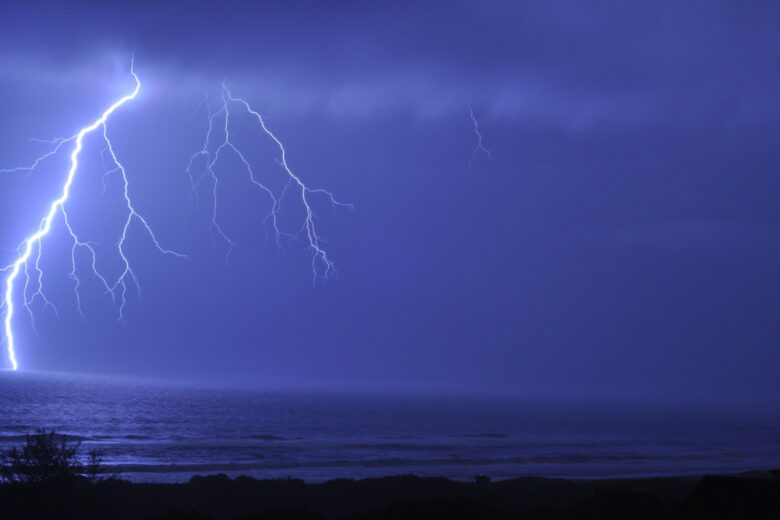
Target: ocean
x,y
157,432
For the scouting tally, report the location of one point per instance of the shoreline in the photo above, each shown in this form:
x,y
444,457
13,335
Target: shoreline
x,y
181,474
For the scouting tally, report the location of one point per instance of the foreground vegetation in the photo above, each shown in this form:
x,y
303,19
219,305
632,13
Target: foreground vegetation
x,y
47,455
49,478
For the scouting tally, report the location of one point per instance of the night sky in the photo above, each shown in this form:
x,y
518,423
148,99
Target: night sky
x,y
624,242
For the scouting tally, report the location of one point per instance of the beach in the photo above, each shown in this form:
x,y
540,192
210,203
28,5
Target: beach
x,y
754,495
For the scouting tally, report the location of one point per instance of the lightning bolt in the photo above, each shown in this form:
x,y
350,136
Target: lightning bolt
x,y
29,252
321,263
478,147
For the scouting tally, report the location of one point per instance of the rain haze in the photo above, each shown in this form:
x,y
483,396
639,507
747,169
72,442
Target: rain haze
x,y
620,238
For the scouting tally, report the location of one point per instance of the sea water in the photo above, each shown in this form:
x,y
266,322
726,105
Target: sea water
x,y
170,432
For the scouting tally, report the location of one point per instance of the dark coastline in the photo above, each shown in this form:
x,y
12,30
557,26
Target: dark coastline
x,y
749,495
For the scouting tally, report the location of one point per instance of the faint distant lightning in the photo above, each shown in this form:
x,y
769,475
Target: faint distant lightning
x,y
321,263
34,241
478,147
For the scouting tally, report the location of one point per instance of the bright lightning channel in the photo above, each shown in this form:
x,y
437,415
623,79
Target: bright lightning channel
x,y
33,243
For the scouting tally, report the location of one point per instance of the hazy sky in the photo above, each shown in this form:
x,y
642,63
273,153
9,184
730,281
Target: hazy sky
x,y
623,242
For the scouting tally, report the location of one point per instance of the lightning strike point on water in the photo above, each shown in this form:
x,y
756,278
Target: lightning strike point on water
x,y
29,251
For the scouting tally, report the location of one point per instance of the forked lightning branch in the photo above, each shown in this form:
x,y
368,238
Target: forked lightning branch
x,y
24,277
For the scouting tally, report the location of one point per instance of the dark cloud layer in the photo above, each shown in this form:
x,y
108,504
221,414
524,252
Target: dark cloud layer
x,y
567,62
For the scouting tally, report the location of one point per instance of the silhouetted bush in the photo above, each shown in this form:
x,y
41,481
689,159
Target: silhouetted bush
x,y
44,456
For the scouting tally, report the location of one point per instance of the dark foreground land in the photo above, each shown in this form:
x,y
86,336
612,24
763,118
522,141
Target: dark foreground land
x,y
754,495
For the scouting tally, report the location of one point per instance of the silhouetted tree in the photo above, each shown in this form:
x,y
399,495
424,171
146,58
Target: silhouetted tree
x,y
94,466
